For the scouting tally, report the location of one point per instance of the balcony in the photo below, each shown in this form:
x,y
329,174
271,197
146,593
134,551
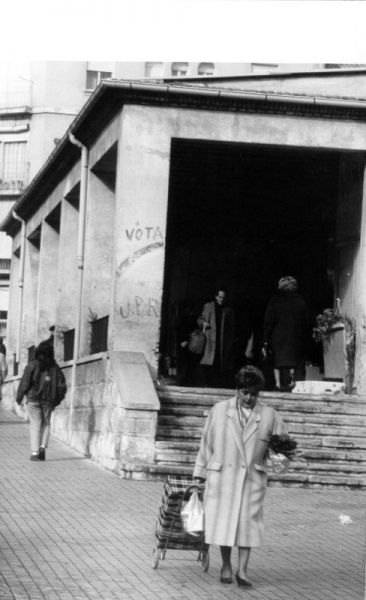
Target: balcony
x,y
14,170
15,97
12,187
4,266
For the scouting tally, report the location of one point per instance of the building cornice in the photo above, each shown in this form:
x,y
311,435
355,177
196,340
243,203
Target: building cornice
x,y
111,95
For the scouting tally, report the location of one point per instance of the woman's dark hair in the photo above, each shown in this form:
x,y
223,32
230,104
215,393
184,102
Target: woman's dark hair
x,y
249,378
44,353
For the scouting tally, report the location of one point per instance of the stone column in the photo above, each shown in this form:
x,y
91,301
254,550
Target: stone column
x,y
47,288
140,220
360,360
98,256
13,310
31,274
67,276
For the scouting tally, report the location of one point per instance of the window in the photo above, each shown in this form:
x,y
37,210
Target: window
x,y
206,68
69,344
154,69
12,165
179,69
99,335
264,68
93,78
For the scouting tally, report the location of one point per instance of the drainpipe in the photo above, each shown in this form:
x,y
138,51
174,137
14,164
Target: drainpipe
x,y
21,283
80,266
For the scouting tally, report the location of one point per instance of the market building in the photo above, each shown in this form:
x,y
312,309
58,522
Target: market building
x,y
156,191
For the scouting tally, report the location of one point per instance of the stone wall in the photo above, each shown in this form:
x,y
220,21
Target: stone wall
x,y
104,426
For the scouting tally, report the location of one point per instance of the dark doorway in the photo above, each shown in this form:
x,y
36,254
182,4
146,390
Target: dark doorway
x,y
246,216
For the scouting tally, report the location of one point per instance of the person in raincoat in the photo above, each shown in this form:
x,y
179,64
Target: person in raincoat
x,y
231,460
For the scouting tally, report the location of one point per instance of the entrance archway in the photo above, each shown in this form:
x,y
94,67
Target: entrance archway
x,y
246,215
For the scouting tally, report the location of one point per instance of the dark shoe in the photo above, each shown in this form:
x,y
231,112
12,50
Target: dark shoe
x,y
225,579
34,457
42,454
243,582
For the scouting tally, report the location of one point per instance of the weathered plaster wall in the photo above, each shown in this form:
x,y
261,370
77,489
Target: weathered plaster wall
x,y
142,198
106,425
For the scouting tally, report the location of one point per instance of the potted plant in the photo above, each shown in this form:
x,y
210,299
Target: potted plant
x,y
337,333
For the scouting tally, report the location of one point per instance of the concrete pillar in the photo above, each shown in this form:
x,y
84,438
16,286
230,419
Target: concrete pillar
x,y
31,273
140,222
67,276
348,230
360,360
13,310
98,256
46,310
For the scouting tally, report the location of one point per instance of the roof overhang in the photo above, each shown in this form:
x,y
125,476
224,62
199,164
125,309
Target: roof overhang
x,y
111,95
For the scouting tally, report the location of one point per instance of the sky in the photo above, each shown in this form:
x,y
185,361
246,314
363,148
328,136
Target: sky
x,y
191,30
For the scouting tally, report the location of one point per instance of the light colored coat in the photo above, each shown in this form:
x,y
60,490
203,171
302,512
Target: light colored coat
x,y
227,335
231,461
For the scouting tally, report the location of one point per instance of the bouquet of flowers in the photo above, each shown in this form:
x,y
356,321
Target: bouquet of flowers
x,y
281,450
325,324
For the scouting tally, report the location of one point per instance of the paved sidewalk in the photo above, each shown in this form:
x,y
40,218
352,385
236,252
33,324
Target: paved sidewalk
x,y
71,531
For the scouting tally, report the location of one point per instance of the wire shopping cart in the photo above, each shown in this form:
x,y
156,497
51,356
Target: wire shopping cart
x,y
169,532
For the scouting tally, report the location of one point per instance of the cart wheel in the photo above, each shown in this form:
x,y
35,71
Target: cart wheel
x,y
155,558
205,561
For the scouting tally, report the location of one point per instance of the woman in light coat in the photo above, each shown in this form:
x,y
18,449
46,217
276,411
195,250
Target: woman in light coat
x,y
231,461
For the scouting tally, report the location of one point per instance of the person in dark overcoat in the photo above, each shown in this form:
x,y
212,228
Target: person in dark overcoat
x,y
231,460
286,334
218,323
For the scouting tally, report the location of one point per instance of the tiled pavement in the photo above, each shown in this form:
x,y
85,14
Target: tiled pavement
x,y
71,531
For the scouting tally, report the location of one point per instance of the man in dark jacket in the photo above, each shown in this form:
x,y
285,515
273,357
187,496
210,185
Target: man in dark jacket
x,y
44,385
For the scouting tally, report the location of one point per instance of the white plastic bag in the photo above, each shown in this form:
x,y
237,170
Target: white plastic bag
x,y
192,515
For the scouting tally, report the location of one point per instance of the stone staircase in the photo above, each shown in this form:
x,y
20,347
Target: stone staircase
x,y
331,431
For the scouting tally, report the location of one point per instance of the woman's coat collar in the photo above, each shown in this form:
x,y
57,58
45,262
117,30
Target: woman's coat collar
x,y
251,426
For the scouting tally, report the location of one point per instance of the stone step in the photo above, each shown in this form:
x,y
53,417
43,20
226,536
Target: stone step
x,y
288,406
313,468
182,412
299,426
194,395
153,471
329,429
330,448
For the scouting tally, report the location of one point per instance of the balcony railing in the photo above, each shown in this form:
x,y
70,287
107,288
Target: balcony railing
x,y
12,185
15,96
4,266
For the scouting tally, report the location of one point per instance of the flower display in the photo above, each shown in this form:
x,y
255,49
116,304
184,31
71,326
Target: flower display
x,y
326,322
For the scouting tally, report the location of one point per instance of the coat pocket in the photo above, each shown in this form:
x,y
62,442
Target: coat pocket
x,y
261,468
214,466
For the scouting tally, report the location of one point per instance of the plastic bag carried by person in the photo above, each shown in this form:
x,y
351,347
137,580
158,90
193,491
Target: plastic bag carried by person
x,y
192,515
